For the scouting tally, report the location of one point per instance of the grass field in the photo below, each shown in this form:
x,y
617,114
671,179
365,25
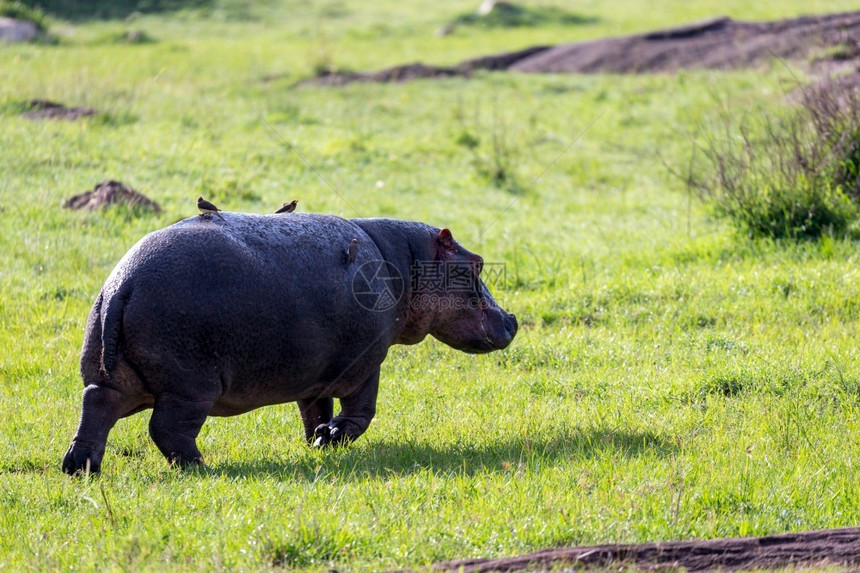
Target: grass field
x,y
670,379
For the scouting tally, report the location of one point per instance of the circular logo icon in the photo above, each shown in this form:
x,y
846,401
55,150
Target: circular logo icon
x,y
377,285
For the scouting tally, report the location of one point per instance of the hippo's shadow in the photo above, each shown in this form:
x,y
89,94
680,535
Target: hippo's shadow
x,y
389,457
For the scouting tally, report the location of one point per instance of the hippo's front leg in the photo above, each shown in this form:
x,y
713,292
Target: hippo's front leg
x,y
356,412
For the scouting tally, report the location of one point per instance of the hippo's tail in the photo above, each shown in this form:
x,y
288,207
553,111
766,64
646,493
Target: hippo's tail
x,y
112,308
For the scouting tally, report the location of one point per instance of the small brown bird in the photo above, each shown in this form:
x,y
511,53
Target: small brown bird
x,y
288,207
208,208
351,252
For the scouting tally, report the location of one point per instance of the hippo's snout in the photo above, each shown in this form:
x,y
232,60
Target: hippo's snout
x,y
511,325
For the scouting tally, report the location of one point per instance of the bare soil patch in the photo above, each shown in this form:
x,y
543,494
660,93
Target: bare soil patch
x,y
833,548
44,109
718,43
109,193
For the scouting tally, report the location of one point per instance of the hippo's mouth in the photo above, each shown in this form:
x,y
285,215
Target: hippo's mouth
x,y
498,330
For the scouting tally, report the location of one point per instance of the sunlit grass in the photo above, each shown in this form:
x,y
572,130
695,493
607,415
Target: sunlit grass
x,y
670,380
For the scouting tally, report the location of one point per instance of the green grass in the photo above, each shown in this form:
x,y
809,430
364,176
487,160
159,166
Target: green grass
x,y
670,380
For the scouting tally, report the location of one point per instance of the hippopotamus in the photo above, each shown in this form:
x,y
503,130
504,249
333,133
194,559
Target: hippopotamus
x,y
211,317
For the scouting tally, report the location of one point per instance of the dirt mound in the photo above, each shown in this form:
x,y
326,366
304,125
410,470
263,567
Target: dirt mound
x,y
44,109
503,61
717,43
403,73
418,70
833,547
110,193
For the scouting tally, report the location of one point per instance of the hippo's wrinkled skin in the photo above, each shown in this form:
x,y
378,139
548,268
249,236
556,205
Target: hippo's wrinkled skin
x,y
217,318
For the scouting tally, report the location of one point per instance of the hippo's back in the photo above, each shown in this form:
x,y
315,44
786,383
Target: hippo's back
x,y
263,300
256,242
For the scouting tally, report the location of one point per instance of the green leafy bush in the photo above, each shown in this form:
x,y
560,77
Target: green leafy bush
x,y
801,211
796,176
101,9
20,11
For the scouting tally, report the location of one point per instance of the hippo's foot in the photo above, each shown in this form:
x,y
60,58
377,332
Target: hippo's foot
x,y
183,461
81,459
102,407
174,426
356,413
314,413
333,434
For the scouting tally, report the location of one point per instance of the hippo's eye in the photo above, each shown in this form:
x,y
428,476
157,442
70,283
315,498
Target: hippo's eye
x,y
479,266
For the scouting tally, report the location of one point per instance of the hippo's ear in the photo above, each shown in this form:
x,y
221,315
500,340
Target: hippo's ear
x,y
446,240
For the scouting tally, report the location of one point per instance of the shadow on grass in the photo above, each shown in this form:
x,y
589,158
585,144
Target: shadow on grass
x,y
80,10
390,458
395,457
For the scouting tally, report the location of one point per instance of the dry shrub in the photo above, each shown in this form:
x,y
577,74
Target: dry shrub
x,y
793,176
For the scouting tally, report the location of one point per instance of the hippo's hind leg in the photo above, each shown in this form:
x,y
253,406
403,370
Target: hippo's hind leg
x,y
102,407
315,413
174,426
356,413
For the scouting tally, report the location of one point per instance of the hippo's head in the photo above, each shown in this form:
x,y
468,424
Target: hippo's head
x,y
452,302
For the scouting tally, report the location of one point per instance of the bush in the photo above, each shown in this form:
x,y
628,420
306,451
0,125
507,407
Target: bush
x,y
20,11
800,211
100,9
796,176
